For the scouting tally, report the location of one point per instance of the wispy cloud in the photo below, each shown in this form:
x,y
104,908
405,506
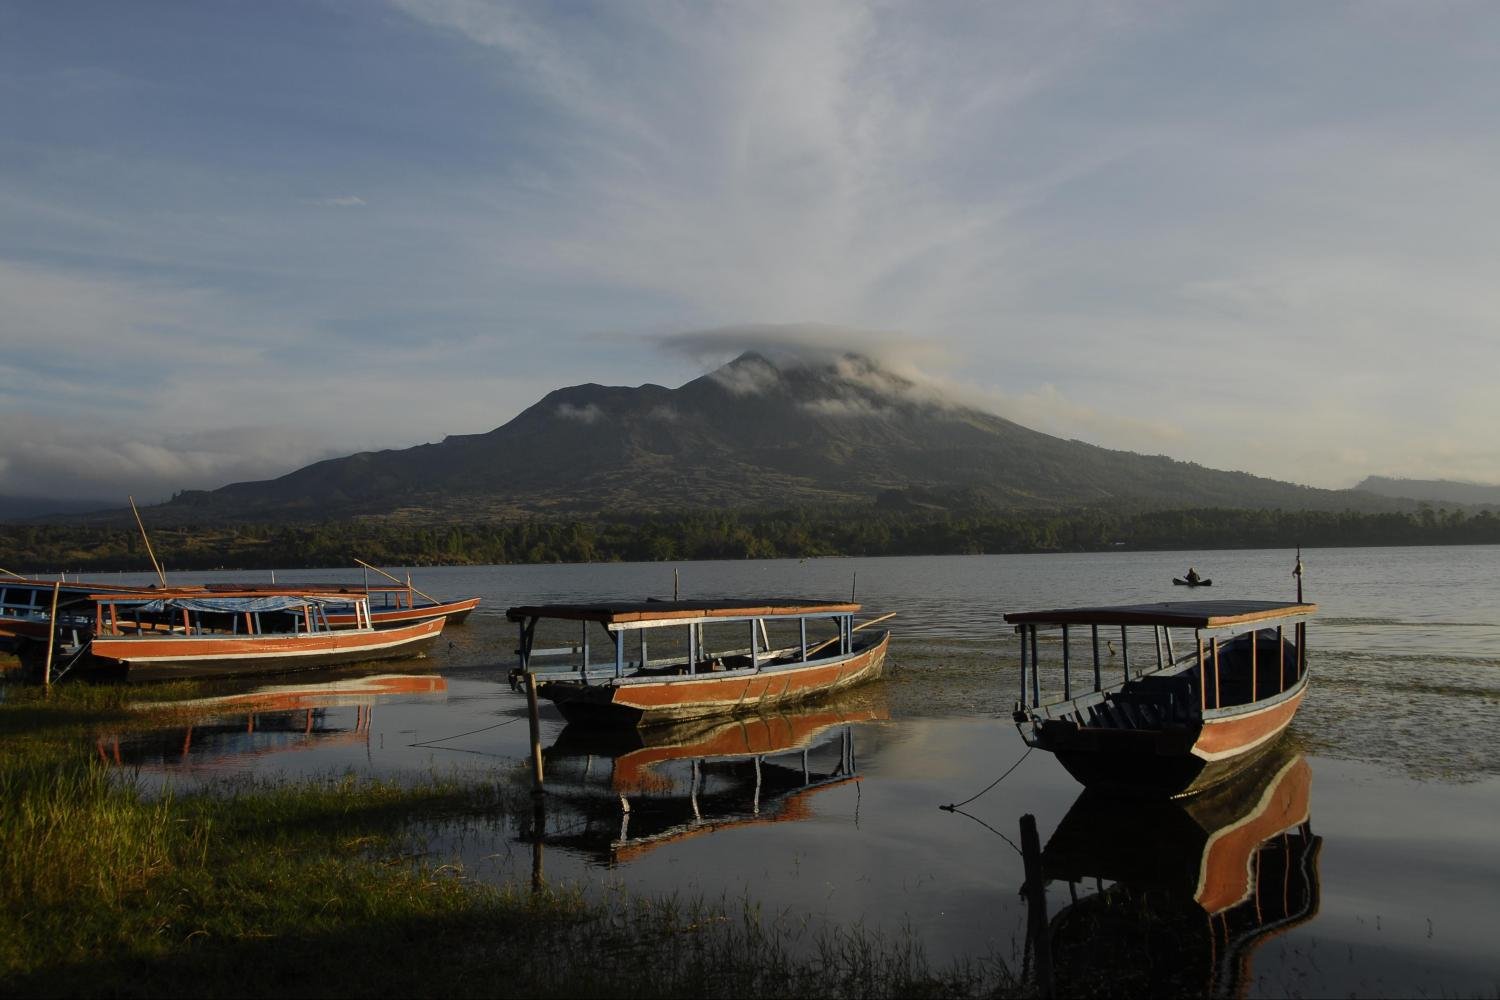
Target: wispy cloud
x,y
1243,238
587,414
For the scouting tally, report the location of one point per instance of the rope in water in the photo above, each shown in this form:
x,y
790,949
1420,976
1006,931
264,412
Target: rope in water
x,y
472,732
955,806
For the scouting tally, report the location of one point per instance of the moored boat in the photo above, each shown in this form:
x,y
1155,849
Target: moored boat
x,y
715,657
26,607
387,605
398,612
193,633
1185,722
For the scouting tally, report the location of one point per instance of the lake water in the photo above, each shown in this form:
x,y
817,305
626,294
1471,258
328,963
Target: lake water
x,y
1377,873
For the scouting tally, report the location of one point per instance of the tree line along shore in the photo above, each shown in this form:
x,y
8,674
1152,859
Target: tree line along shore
x,y
694,535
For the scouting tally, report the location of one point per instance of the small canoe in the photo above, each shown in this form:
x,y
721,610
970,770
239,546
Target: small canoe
x,y
1191,583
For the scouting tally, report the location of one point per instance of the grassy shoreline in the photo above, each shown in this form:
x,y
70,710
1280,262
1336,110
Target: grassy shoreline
x,y
324,887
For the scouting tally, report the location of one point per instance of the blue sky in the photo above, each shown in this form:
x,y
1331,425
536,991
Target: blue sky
x,y
238,237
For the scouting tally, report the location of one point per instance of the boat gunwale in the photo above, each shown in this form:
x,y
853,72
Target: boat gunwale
x,y
309,639
764,668
642,614
194,593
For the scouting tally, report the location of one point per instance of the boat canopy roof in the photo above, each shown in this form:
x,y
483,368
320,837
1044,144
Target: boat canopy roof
x,y
90,586
1172,614
197,600
620,612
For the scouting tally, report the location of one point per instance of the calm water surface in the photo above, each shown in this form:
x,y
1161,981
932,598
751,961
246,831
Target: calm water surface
x,y
1377,873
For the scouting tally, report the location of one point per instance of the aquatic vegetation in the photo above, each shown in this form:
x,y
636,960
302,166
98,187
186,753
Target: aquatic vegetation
x,y
325,886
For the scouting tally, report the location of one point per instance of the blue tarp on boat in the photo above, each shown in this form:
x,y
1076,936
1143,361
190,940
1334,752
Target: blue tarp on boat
x,y
239,605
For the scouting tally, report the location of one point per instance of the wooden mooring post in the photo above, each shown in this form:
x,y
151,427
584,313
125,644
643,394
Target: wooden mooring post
x,y
533,713
1035,891
538,792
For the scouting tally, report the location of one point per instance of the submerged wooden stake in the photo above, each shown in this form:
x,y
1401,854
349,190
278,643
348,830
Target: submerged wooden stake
x,y
1036,898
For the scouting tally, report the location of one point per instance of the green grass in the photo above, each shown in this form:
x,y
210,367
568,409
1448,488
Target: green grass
x,y
325,887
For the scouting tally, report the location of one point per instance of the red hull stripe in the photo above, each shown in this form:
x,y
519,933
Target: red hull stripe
x,y
150,649
420,613
1225,876
1222,738
727,693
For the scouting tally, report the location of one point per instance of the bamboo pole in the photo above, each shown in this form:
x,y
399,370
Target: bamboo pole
x,y
872,621
396,579
147,539
51,637
7,572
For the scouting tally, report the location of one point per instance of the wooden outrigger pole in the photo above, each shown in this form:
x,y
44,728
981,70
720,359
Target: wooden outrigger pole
x,y
51,636
147,538
396,579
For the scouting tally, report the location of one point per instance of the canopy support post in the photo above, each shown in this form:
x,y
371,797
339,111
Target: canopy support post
x,y
1036,670
1022,631
1098,677
1067,673
1202,672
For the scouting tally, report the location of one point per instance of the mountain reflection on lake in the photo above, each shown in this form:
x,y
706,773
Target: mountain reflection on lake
x,y
829,813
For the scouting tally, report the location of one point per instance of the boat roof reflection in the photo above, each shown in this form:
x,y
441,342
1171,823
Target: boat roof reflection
x,y
615,796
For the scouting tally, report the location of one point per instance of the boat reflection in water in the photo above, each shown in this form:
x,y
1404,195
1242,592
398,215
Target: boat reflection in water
x,y
1198,885
615,795
228,731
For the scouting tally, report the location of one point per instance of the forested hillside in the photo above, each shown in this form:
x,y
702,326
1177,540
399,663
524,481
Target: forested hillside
x,y
868,531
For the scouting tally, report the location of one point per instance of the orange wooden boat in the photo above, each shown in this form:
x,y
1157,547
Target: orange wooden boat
x,y
674,660
193,633
399,613
1185,722
26,607
396,604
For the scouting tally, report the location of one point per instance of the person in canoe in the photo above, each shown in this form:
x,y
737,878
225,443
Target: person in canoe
x,y
1192,577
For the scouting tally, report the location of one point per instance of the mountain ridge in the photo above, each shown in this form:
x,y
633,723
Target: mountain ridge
x,y
752,433
1451,491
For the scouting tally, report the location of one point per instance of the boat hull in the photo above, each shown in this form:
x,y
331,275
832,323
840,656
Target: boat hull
x,y
164,657
1171,762
646,702
453,611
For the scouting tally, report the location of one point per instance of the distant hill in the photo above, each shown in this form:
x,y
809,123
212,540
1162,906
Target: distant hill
x,y
1432,490
751,434
14,508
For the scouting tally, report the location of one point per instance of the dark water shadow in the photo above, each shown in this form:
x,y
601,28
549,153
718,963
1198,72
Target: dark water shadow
x,y
1174,897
